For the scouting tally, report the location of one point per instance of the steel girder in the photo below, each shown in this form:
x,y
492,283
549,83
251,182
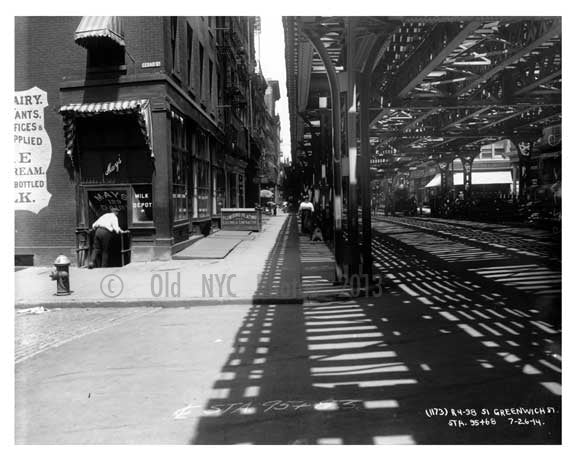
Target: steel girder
x,y
442,83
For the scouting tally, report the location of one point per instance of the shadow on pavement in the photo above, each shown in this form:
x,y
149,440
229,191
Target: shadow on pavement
x,y
433,360
281,274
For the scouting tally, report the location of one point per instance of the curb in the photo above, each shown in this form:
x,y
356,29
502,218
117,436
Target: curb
x,y
179,302
162,302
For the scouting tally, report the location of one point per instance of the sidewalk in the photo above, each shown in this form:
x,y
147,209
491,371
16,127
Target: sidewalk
x,y
264,269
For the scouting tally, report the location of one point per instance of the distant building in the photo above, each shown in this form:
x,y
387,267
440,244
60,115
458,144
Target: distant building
x,y
271,158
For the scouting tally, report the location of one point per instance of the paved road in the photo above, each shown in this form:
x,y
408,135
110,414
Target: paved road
x,y
40,329
452,350
131,380
347,372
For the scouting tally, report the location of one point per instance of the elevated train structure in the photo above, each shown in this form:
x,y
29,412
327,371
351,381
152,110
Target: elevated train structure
x,y
383,106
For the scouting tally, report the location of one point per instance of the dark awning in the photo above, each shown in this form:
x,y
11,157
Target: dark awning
x,y
98,27
140,107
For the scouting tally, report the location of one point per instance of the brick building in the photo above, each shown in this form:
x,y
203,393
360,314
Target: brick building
x,y
150,114
272,154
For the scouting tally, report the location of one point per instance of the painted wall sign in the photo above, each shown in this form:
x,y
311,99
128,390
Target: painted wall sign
x,y
33,150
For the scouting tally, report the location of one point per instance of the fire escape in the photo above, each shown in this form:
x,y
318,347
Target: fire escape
x,y
233,106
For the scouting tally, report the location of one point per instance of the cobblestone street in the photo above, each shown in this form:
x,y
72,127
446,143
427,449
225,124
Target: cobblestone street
x,y
36,332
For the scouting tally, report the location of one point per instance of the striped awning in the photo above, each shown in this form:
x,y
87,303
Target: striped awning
x,y
98,27
71,112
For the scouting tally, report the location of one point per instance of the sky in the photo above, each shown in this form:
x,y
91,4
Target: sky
x,y
273,67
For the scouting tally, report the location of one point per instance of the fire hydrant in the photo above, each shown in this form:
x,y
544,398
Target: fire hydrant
x,y
62,275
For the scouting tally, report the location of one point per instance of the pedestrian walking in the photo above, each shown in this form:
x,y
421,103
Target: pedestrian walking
x,y
104,229
305,210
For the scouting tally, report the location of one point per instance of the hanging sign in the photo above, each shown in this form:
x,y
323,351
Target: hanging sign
x,y
33,150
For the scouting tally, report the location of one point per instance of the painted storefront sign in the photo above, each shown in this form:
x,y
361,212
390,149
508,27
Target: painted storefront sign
x,y
240,219
33,150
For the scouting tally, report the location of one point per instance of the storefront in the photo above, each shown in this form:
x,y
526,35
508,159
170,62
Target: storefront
x,y
192,183
111,154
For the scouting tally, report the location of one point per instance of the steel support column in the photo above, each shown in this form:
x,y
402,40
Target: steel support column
x,y
353,246
467,160
364,168
524,146
336,150
446,182
326,176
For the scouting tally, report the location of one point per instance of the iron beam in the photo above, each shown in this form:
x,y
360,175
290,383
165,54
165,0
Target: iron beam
x,y
437,60
554,30
539,82
336,148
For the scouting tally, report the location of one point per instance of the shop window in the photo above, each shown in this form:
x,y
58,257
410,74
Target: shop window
x,y
220,190
112,150
203,188
102,200
179,200
142,204
180,168
135,204
233,190
241,191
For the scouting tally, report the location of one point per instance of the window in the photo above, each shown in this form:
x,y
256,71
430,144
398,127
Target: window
x,y
189,55
112,150
173,37
100,200
142,204
104,54
232,190
179,168
486,152
241,191
220,189
201,68
210,77
202,184
203,189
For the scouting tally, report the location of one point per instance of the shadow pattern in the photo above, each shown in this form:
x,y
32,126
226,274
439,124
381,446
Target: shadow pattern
x,y
434,359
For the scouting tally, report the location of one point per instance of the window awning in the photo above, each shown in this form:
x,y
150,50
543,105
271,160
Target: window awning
x,y
71,112
98,27
478,178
